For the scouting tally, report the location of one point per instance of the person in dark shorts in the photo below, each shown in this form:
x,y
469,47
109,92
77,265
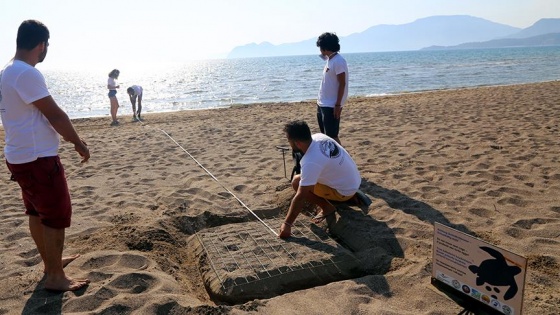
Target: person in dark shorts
x,y
333,91
113,85
32,123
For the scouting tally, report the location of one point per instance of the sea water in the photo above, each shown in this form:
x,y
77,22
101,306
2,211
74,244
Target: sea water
x,y
225,82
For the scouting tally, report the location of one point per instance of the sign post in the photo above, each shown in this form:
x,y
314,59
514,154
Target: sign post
x,y
486,274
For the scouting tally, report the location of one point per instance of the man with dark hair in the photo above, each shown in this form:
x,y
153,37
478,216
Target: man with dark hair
x,y
135,92
333,91
32,122
327,173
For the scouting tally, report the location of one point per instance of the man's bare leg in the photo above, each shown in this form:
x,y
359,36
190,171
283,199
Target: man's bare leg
x,y
56,279
37,232
139,106
326,207
36,229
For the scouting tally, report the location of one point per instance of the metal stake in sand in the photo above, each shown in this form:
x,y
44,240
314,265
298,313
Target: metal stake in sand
x,y
224,187
283,149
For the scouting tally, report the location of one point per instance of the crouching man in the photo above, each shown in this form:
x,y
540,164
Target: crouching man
x,y
327,173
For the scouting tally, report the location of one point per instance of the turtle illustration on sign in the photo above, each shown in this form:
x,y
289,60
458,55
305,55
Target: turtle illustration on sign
x,y
496,272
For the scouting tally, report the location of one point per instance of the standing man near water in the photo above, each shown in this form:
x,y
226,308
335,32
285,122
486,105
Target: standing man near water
x,y
32,122
334,86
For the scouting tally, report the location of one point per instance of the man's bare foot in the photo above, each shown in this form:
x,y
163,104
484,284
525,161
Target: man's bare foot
x,y
322,215
66,284
67,260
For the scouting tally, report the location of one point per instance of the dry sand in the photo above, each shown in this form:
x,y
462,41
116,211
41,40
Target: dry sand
x,y
485,161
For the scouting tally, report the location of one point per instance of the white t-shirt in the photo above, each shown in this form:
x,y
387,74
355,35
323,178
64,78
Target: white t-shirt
x,y
328,91
328,163
29,135
137,90
112,83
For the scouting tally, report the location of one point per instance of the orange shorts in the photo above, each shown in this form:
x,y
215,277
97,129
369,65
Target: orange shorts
x,y
44,190
329,193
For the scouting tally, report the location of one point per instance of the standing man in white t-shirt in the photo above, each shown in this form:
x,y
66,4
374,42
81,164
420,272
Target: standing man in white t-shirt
x,y
327,173
333,91
32,122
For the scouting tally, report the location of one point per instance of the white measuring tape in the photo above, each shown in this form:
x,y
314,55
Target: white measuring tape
x,y
213,177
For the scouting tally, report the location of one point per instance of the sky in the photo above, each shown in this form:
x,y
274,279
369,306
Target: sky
x,y
102,33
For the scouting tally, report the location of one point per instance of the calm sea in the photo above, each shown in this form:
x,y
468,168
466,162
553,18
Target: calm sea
x,y
219,83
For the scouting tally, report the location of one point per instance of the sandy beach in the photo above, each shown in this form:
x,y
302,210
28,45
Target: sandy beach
x,y
155,194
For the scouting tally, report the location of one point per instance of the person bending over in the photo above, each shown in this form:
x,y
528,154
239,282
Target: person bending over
x,y
32,122
327,173
135,92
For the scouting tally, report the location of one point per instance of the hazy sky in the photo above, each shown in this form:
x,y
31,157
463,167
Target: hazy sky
x,y
109,33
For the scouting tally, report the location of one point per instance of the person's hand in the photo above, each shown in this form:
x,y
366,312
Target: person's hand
x,y
82,149
337,111
285,230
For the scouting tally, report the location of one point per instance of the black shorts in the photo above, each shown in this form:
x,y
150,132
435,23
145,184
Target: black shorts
x,y
327,123
112,93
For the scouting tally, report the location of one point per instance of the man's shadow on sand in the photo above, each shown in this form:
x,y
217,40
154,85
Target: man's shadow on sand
x,y
373,242
44,301
399,201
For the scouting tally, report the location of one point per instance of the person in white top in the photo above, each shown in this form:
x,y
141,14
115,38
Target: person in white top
x,y
333,91
327,173
113,85
32,122
135,92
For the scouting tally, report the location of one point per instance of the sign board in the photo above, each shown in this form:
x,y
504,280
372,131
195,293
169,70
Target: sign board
x,y
479,270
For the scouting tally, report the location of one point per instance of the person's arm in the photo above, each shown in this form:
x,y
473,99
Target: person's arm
x,y
62,124
341,78
295,208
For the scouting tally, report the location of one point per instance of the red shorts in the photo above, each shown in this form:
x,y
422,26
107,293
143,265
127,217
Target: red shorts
x,y
44,190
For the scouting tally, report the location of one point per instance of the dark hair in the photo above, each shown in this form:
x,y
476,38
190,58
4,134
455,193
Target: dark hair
x,y
30,34
130,90
298,130
114,73
328,41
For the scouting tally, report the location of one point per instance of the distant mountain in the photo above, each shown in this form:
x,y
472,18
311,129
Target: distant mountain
x,y
435,30
552,39
545,32
541,27
267,49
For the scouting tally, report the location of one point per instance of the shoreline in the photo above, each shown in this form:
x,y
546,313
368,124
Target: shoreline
x,y
483,160
350,99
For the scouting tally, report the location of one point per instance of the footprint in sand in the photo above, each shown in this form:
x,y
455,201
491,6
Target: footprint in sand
x,y
528,223
111,275
119,260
